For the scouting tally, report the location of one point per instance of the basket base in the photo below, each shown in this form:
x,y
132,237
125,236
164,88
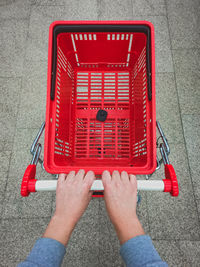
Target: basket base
x,y
94,139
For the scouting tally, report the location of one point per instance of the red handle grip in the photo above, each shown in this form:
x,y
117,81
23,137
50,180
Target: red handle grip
x,y
28,181
171,182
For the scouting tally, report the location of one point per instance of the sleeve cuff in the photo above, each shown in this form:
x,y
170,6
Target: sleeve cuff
x,y
47,252
139,251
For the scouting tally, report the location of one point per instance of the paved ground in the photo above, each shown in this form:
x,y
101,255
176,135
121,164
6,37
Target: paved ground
x,y
173,224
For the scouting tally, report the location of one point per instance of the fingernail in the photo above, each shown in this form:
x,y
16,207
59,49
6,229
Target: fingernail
x,y
91,173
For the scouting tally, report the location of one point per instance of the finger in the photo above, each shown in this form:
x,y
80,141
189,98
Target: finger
x,y
116,176
133,180
80,175
62,177
71,176
106,177
89,178
124,177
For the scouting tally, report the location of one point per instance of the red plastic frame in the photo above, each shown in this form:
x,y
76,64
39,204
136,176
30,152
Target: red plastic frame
x,y
170,181
28,181
49,162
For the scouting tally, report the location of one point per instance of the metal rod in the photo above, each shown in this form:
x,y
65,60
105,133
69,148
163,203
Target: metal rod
x,y
37,138
36,154
163,137
164,154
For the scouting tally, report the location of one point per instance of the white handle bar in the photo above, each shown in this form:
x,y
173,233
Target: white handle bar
x,y
153,185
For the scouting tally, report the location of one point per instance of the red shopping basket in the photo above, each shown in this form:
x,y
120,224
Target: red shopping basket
x,y
100,112
104,68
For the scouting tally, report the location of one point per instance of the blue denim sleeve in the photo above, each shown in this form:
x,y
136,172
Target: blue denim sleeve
x,y
46,252
140,251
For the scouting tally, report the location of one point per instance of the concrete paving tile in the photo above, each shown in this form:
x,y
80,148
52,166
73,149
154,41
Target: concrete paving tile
x,y
4,162
12,46
189,93
191,126
184,23
7,131
186,61
109,10
3,181
184,3
48,2
198,206
17,238
190,252
18,9
10,89
174,218
4,167
187,69
42,16
167,107
108,244
21,156
162,39
145,7
179,159
40,19
37,49
83,247
33,102
162,42
164,61
35,68
81,10
169,252
83,262
15,206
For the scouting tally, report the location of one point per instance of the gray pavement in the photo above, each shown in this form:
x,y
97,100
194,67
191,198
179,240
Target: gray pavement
x,y
173,223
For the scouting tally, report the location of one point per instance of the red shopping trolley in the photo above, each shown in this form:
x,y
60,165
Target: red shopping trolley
x,y
100,111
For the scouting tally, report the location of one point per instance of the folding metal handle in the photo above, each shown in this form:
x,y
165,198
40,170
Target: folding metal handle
x,y
164,147
35,142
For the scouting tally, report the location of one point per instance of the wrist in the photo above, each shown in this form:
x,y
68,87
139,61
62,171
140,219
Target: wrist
x,y
129,228
59,229
66,223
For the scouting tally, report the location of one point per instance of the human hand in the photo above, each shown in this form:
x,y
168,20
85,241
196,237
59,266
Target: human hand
x,y
73,195
72,198
120,194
